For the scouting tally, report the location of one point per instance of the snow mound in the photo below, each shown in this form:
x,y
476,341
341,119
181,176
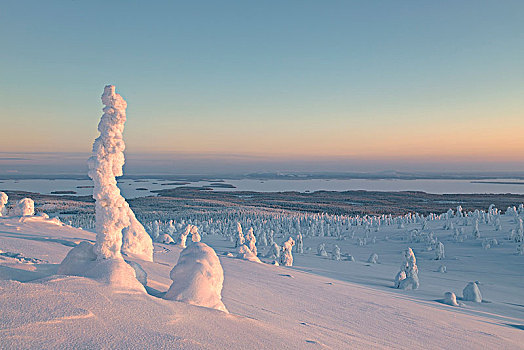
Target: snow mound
x,y
245,253
197,278
82,261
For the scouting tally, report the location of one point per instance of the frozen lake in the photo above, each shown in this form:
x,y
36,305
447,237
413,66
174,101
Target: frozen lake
x,y
140,188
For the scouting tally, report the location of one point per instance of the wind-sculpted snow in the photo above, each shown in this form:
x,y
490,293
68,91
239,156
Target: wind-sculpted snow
x,y
197,278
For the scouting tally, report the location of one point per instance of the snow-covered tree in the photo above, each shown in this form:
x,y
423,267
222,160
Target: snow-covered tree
x,y
156,230
112,210
274,251
286,258
26,207
476,231
3,202
183,236
239,238
321,249
472,293
373,258
439,251
197,278
243,252
451,299
408,274
335,255
251,241
300,244
195,236
262,239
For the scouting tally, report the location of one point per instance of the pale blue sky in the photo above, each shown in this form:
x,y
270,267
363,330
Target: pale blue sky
x,y
415,80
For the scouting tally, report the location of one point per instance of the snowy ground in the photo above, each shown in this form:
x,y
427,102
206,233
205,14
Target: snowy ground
x,y
319,303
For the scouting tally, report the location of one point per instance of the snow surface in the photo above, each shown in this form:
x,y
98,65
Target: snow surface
x,y
309,306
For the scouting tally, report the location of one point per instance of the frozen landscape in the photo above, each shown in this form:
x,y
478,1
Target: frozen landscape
x,y
228,274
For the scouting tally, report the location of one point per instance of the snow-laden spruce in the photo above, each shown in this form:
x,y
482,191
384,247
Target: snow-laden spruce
x,y
274,251
3,202
195,235
439,251
251,241
407,278
112,210
25,207
197,278
321,249
299,244
183,236
286,258
239,237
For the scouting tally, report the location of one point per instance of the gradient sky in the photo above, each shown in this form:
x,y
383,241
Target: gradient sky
x,y
391,82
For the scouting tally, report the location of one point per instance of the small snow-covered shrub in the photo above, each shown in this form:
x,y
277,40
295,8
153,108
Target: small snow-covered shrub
x,y
26,207
472,293
451,299
197,278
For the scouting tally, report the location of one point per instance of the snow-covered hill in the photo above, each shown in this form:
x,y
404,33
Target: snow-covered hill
x,y
270,307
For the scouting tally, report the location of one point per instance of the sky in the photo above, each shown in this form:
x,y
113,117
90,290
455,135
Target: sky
x,y
269,85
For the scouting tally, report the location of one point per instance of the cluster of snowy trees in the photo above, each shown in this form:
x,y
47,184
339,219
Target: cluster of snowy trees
x,y
24,207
